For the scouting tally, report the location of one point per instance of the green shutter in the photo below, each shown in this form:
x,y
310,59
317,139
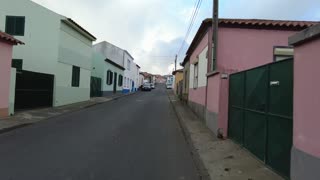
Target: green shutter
x,y
75,76
15,25
17,63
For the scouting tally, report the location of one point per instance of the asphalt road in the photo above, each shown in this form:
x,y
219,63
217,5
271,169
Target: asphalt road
x,y
133,138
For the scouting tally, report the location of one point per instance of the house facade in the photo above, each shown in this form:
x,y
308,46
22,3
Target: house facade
x,y
58,52
6,47
110,73
306,145
261,37
178,85
243,95
122,58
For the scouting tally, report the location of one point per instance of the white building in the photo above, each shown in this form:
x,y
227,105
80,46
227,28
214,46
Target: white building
x,y
124,59
54,65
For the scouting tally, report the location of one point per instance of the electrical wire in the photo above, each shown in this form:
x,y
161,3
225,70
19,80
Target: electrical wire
x,y
191,23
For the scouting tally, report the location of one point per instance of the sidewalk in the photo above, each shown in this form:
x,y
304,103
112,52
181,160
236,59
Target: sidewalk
x,y
218,159
29,117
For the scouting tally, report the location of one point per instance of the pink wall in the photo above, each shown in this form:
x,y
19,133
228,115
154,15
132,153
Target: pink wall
x,y
5,67
307,98
242,49
199,95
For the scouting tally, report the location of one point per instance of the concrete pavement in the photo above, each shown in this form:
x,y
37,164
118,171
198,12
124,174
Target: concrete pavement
x,y
218,159
136,138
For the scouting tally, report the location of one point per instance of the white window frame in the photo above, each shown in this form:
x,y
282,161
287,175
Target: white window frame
x,y
196,76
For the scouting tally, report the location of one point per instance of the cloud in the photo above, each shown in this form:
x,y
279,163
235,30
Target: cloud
x,y
157,27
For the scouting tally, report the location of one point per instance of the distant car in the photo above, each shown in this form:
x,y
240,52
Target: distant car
x,y
169,86
146,87
153,86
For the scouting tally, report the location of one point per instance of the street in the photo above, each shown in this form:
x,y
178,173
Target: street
x,y
136,137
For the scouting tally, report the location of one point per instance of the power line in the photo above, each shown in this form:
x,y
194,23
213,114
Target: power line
x,y
192,20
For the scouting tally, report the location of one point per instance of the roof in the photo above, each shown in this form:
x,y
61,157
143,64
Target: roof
x,y
9,38
249,24
115,64
80,29
176,71
128,54
305,35
138,66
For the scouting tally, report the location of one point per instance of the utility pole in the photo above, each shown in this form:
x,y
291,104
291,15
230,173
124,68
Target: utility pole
x,y
175,63
215,26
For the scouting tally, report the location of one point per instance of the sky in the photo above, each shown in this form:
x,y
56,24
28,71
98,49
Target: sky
x,y
154,30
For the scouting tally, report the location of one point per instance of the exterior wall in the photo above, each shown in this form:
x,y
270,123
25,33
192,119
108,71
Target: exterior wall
x,y
141,79
186,73
306,150
129,73
12,91
41,38
74,50
178,78
212,110
100,68
243,49
48,41
199,55
5,67
110,51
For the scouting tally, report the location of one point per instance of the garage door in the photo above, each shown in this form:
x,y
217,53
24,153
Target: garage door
x,y
260,113
33,90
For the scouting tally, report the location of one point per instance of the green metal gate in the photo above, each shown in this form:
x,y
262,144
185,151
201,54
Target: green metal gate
x,y
260,113
95,87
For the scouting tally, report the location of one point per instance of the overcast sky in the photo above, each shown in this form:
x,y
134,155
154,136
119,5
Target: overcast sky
x,y
152,28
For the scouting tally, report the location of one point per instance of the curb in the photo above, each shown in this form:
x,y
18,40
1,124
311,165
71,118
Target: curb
x,y
202,170
19,126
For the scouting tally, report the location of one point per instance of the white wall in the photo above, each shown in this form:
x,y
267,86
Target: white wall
x,y
41,37
202,70
110,51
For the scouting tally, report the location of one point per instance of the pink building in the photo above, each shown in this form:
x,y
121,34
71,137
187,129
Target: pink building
x,y
242,45
6,45
305,154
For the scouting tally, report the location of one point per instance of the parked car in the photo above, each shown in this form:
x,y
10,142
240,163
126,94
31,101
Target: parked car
x,y
169,86
146,87
153,86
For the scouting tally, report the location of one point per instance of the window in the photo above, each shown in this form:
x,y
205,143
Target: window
x,y
128,64
17,63
75,76
120,80
15,25
195,79
282,53
109,77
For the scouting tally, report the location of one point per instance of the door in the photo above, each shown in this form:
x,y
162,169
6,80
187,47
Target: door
x,y
115,83
95,87
261,113
33,90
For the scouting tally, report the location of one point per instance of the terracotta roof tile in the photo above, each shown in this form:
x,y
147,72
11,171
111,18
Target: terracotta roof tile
x,y
264,22
9,38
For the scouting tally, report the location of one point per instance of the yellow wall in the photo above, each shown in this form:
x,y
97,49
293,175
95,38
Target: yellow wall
x,y
178,78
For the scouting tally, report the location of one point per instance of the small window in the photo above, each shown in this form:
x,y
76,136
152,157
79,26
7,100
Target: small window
x,y
15,25
120,80
109,77
17,63
196,71
75,76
